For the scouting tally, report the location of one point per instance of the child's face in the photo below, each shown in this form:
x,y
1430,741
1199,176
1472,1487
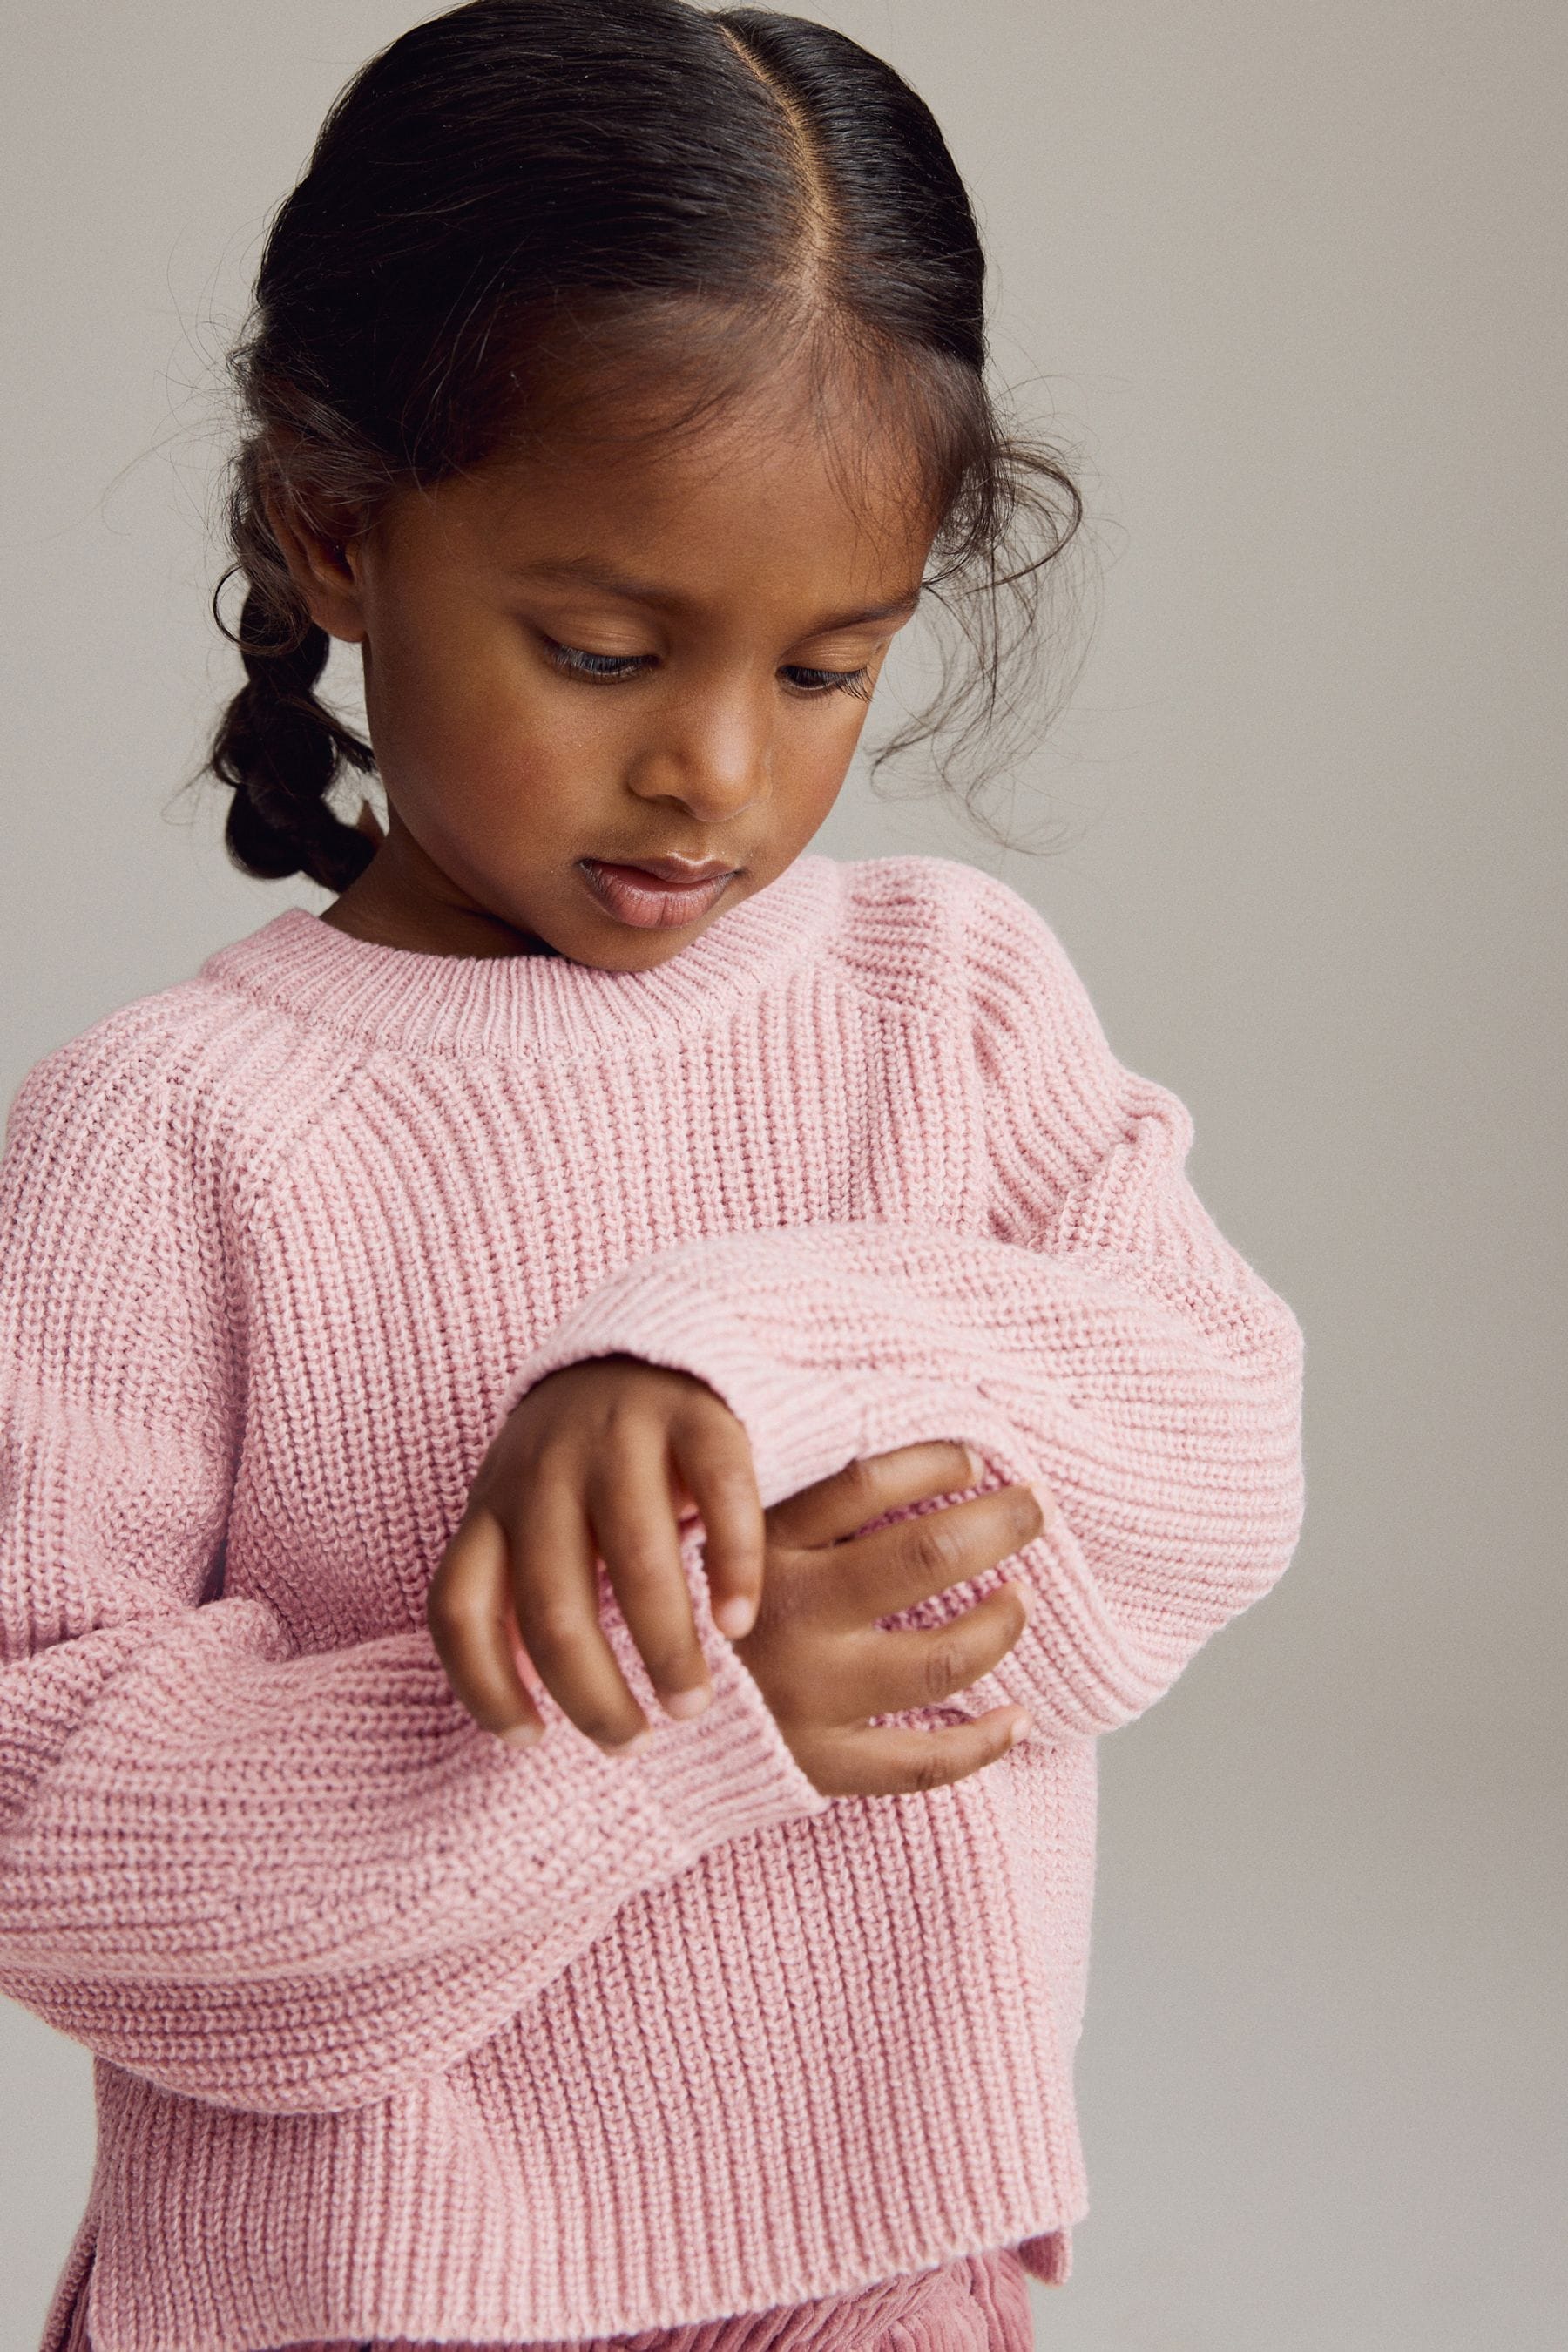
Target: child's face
x,y
710,581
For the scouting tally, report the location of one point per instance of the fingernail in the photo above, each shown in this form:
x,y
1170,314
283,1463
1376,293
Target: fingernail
x,y
1045,1499
638,1739
684,1704
1026,1594
523,1735
735,1616
1021,1730
976,1467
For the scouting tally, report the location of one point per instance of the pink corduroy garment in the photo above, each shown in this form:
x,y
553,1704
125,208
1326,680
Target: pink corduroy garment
x,y
401,2034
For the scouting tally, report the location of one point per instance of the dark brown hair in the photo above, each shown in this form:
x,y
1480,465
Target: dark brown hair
x,y
680,188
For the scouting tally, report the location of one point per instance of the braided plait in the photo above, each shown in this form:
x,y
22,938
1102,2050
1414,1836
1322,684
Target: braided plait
x,y
278,748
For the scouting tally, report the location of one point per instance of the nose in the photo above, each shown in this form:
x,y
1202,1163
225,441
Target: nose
x,y
710,751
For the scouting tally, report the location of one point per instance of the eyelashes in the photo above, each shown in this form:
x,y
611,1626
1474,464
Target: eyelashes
x,y
614,669
856,682
604,668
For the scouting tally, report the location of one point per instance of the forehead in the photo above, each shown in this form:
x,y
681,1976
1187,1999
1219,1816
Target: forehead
x,y
806,497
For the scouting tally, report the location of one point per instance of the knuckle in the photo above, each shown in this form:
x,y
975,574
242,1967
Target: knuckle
x,y
934,1548
928,1770
615,1424
551,1631
546,1454
945,1669
453,1615
640,1564
788,1594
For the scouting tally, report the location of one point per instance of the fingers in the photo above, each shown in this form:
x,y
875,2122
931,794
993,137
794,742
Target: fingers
x,y
877,1575
921,1666
470,1613
839,1506
715,1463
555,1595
478,1609
891,1760
633,1513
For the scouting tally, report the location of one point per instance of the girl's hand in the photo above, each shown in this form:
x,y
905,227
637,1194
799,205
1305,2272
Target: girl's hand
x,y
595,1462
824,1664
598,1460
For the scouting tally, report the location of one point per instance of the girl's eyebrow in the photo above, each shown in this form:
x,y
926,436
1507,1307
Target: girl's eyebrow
x,y
583,572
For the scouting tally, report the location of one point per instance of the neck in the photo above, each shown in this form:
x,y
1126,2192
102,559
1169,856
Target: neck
x,y
403,900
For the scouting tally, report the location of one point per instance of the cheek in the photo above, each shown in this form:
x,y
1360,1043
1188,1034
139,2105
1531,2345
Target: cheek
x,y
832,740
467,732
812,744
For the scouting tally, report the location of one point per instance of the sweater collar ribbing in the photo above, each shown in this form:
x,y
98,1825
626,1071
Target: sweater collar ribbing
x,y
529,1005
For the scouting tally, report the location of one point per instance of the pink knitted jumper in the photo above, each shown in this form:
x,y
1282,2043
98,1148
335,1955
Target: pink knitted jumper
x,y
404,2035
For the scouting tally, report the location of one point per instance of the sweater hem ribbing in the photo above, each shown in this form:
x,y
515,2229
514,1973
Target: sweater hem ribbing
x,y
76,2324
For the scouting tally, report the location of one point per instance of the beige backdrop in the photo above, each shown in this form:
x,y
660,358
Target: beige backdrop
x,y
1292,279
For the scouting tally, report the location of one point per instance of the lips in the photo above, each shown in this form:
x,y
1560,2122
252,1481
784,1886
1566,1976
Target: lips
x,y
641,896
673,870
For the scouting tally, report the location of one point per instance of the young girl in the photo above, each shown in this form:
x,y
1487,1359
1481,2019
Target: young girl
x,y
562,1418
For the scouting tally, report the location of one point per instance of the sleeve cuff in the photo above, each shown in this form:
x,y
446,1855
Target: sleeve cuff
x,y
802,1427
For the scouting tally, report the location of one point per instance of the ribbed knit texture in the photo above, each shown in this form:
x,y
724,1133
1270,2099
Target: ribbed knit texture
x,y
978,2304
405,2035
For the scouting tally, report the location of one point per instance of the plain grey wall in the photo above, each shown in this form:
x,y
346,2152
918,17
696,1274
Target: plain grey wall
x,y
1291,280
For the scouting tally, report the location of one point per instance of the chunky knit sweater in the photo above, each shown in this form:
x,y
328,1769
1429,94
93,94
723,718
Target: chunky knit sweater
x,y
401,2032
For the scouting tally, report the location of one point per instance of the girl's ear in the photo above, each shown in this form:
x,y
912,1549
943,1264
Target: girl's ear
x,y
322,568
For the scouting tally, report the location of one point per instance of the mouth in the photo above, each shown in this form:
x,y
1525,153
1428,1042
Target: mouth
x,y
659,894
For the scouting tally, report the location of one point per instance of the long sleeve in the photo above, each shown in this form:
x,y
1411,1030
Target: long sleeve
x,y
405,2033
273,1880
1092,1328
